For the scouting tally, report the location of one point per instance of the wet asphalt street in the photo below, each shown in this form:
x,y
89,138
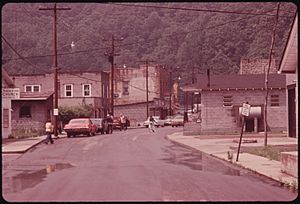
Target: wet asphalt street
x,y
132,165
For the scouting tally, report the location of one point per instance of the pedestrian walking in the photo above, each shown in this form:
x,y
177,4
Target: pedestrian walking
x,y
123,122
151,124
49,130
110,123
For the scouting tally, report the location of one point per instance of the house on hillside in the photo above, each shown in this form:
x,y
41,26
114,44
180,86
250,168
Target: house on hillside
x,y
289,66
130,92
222,97
9,92
76,88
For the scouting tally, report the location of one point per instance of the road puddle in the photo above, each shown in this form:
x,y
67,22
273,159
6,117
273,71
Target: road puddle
x,y
29,179
195,160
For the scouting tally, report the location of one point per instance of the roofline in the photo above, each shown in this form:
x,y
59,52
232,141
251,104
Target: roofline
x,y
30,99
150,101
286,44
230,89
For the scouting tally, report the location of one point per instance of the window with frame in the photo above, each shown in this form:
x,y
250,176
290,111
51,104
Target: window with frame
x,y
25,112
227,101
125,87
5,117
68,90
32,88
86,90
274,100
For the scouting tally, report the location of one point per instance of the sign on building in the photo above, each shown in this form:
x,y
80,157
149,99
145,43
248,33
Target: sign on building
x,y
12,93
246,109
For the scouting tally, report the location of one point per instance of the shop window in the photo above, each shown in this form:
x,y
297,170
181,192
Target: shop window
x,y
25,112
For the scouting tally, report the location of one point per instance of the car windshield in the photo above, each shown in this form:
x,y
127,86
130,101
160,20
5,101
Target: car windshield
x,y
179,117
156,117
78,121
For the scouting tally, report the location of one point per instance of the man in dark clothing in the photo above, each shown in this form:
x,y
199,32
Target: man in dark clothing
x,y
110,123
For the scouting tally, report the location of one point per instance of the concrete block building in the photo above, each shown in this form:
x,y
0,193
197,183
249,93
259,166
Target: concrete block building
x,y
223,95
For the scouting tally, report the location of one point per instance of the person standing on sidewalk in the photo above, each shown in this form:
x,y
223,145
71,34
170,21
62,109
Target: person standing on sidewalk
x,y
49,130
151,124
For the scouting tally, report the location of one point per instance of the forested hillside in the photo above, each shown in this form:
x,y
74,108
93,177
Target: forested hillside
x,y
177,38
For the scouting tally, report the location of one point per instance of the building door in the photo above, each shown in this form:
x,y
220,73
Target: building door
x,y
291,111
249,125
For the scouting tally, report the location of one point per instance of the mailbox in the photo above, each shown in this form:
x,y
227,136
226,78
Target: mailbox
x,y
255,112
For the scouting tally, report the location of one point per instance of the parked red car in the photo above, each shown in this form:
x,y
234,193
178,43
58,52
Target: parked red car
x,y
79,126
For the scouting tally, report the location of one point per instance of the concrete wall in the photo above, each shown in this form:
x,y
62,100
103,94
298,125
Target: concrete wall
x,y
216,118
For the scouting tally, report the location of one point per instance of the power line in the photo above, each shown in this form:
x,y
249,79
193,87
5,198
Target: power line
x,y
21,57
201,10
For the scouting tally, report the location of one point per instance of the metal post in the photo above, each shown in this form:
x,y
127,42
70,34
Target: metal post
x,y
242,130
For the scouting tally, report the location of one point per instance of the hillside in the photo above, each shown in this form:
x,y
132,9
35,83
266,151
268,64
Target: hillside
x,y
177,38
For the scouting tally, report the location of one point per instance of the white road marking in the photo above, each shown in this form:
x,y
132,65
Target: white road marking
x,y
133,139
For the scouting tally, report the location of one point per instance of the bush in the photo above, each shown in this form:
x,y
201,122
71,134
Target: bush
x,y
66,113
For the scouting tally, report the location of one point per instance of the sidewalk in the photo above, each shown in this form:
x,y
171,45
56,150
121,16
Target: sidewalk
x,y
17,146
219,146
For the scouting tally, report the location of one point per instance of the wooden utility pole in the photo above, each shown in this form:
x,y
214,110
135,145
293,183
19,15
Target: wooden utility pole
x,y
147,91
111,58
170,101
55,110
267,76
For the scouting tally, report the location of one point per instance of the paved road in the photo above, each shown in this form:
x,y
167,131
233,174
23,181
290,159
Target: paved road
x,y
132,165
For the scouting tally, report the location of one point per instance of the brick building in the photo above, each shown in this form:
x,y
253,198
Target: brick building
x,y
76,88
223,95
130,91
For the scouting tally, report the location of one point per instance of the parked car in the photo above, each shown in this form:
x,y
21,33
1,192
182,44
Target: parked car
x,y
169,119
101,124
79,126
117,123
178,120
158,122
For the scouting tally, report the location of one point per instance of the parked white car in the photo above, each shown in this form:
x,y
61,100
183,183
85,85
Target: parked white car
x,y
158,122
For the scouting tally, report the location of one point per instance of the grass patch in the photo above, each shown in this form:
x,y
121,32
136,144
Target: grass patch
x,y
271,152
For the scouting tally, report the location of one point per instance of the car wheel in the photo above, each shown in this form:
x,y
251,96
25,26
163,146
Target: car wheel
x,y
68,135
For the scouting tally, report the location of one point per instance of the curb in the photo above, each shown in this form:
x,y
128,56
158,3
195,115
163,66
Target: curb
x,y
229,162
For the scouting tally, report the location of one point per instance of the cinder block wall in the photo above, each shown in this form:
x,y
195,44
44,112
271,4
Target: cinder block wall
x,y
216,118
